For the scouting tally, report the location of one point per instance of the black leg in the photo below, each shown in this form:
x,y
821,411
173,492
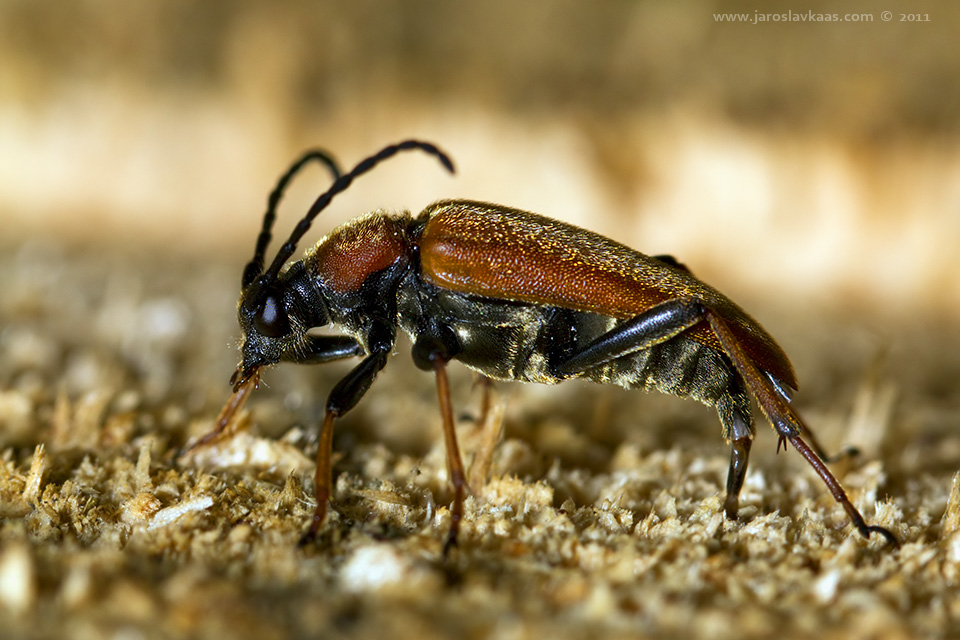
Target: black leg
x,y
344,397
324,349
667,319
787,423
351,388
739,457
654,326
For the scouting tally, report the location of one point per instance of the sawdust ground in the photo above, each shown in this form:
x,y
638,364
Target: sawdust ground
x,y
602,516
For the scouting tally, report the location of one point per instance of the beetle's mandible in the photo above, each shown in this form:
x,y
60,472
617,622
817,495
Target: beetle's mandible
x,y
513,296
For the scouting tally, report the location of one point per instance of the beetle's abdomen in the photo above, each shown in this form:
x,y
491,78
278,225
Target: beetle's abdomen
x,y
524,342
686,369
501,253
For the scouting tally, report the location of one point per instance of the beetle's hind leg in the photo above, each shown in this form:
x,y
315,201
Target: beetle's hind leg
x,y
739,457
788,424
671,317
843,454
654,326
650,328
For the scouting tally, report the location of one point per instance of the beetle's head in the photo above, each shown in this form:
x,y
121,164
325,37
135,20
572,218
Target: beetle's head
x,y
267,330
276,310
275,318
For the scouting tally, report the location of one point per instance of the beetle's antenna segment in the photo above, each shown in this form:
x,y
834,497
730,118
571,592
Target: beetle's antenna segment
x,y
255,267
340,185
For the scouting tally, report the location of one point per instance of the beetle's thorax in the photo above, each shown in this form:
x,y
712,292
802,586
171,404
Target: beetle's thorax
x,y
344,260
355,271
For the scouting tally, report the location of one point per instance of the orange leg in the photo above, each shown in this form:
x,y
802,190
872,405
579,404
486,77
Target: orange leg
x,y
342,398
458,478
486,400
322,479
490,428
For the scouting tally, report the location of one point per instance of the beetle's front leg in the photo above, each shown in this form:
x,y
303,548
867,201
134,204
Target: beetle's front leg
x,y
433,349
324,349
319,350
342,398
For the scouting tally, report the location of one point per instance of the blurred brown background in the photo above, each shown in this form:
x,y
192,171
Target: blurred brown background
x,y
791,156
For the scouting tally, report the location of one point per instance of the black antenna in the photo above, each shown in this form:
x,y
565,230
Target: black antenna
x,y
255,267
341,185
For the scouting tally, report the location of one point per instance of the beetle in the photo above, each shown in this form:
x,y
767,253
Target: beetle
x,y
513,296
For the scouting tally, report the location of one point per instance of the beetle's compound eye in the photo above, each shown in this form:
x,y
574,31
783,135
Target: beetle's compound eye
x,y
270,318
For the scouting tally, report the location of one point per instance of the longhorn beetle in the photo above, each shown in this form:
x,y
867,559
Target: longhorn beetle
x,y
513,296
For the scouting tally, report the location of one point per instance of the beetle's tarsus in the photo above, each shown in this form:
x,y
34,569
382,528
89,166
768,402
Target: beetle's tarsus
x,y
739,458
885,533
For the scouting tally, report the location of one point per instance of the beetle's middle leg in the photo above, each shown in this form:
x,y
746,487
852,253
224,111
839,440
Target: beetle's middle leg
x,y
433,349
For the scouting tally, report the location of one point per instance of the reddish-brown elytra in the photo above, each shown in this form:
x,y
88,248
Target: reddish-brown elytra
x,y
513,296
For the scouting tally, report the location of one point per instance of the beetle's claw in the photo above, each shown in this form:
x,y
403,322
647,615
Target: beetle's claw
x,y
885,533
